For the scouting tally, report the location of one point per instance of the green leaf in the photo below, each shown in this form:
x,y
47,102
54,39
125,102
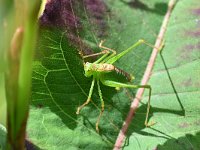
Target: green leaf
x,y
59,85
176,77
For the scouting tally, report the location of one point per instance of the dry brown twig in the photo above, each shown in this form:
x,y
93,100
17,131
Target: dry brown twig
x,y
138,97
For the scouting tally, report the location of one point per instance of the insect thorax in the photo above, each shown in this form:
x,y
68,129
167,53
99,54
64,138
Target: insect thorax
x,y
98,67
94,69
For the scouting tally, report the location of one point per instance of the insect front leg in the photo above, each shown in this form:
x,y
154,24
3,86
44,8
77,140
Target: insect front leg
x,y
97,54
104,47
105,54
102,107
105,51
89,97
109,49
105,57
119,85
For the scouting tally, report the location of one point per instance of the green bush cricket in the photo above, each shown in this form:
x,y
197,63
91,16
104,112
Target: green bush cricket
x,y
103,70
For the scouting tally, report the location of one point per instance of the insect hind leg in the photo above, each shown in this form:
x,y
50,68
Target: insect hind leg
x,y
119,85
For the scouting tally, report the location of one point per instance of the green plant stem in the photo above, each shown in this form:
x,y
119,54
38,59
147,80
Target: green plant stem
x,y
19,74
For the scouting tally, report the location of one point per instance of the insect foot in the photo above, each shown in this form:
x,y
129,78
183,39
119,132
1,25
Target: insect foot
x,y
97,128
117,88
150,124
161,46
80,107
141,41
97,123
78,110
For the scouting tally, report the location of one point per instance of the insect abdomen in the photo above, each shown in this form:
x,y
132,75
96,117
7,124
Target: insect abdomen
x,y
123,73
106,68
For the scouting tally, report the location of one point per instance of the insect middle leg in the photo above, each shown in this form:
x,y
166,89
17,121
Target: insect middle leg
x,y
119,84
88,99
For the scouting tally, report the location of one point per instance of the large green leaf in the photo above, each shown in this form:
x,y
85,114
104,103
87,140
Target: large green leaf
x,y
175,80
59,85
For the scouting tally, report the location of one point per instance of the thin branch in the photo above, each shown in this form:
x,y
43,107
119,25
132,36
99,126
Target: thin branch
x,y
138,97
